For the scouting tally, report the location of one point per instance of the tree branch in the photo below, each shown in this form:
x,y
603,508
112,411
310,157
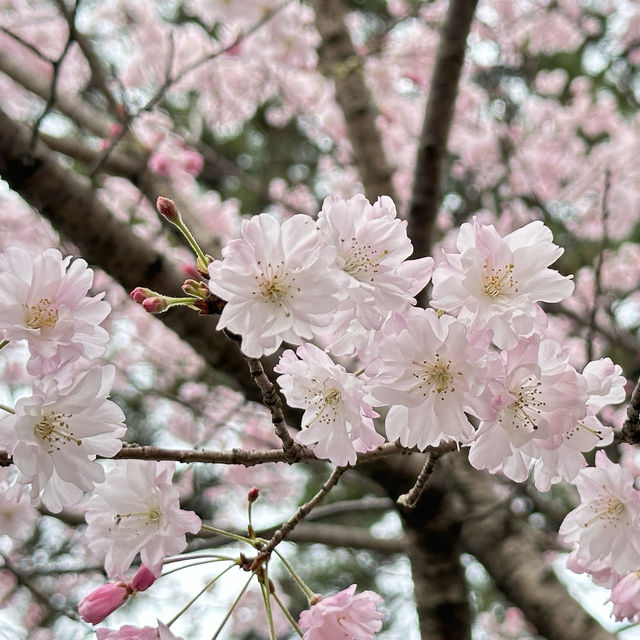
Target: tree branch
x,y
432,145
337,56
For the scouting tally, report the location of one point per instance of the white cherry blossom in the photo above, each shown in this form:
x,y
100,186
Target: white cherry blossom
x,y
278,283
59,432
137,509
337,420
606,525
43,300
495,283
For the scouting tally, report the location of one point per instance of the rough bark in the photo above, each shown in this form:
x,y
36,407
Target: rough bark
x,y
339,59
432,146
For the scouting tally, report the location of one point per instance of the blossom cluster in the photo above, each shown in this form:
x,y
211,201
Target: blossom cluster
x,y
56,433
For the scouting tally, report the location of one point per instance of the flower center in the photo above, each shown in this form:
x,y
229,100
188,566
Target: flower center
x,y
612,510
497,281
151,516
274,282
362,259
328,402
41,315
53,429
527,406
437,376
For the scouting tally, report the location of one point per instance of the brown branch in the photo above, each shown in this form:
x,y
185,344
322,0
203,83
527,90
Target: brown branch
x,y
410,499
630,430
432,146
287,527
273,402
339,58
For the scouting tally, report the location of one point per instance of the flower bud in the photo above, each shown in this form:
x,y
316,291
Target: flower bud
x,y
168,209
102,601
195,288
253,494
155,304
140,294
143,579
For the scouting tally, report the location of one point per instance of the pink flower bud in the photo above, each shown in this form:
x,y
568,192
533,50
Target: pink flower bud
x,y
102,601
140,294
155,304
253,494
143,579
194,288
168,209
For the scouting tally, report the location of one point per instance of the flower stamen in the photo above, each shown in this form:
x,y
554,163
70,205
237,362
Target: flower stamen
x,y
40,315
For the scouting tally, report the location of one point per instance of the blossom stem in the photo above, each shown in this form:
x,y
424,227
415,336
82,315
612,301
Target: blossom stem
x,y
231,608
206,586
294,574
226,534
288,615
202,259
195,564
4,343
4,407
196,556
266,596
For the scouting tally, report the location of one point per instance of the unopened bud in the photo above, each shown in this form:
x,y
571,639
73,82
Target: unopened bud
x,y
253,494
143,579
168,209
155,304
140,294
194,288
102,601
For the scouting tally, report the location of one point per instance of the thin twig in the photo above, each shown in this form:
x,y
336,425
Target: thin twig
x,y
410,499
300,514
54,78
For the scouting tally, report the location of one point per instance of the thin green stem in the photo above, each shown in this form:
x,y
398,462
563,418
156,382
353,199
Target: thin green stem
x,y
227,534
3,344
206,586
288,615
195,564
192,241
264,587
196,556
7,409
231,608
307,592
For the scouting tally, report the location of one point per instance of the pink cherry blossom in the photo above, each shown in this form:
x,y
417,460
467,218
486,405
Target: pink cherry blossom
x,y
137,509
372,248
96,606
43,300
143,579
343,616
277,281
606,525
337,417
60,430
494,283
626,598
431,374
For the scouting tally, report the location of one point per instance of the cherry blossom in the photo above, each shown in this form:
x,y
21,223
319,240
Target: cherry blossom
x,y
494,283
277,281
343,615
59,432
535,401
43,300
372,248
337,417
626,598
137,509
431,374
606,523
